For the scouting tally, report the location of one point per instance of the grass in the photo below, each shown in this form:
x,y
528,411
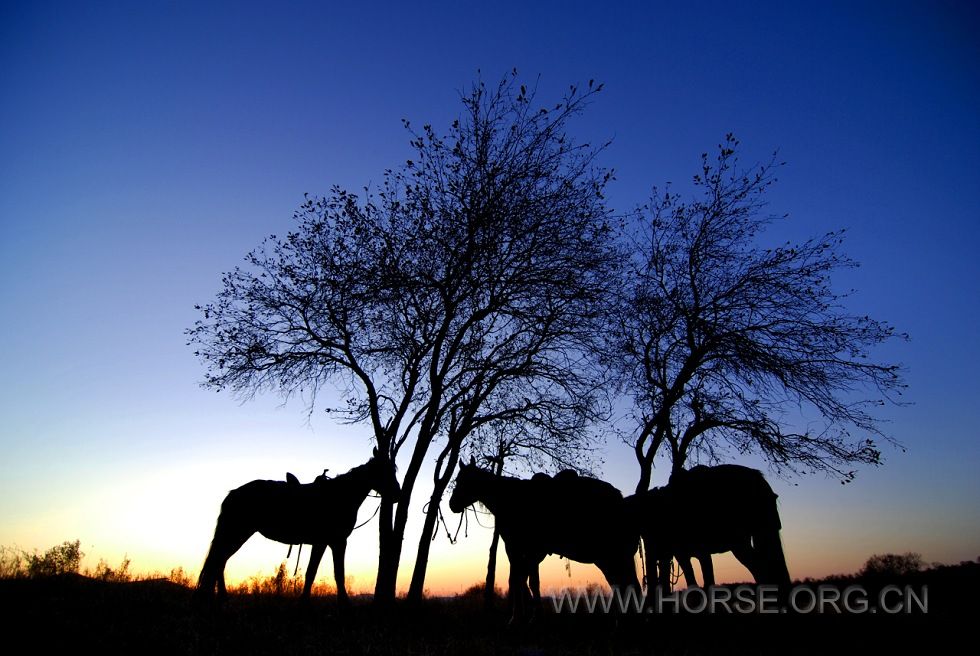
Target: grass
x,y
120,614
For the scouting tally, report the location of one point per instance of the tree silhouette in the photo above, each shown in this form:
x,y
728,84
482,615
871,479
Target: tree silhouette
x,y
721,340
461,295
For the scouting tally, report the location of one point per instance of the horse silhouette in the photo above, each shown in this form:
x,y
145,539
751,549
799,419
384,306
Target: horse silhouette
x,y
577,517
321,513
708,510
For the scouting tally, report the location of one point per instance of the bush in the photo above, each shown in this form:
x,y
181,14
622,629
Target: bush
x,y
280,584
893,565
180,577
479,591
62,559
13,563
119,575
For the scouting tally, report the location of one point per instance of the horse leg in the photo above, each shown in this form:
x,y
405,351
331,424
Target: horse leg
x,y
339,549
516,583
707,569
650,563
534,578
621,576
688,569
628,574
663,572
658,567
518,590
316,553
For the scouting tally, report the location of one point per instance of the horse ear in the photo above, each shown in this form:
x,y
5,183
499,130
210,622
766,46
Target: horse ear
x,y
375,452
472,461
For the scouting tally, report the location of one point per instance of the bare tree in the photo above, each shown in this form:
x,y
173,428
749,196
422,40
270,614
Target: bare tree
x,y
462,295
723,342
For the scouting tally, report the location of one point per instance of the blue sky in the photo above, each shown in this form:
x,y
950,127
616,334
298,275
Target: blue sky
x,y
146,147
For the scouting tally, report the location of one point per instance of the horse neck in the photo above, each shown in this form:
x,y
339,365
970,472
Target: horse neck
x,y
356,483
494,493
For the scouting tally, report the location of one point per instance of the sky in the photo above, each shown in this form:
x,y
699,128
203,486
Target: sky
x,y
145,148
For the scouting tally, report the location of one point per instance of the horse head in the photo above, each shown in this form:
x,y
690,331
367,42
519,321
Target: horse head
x,y
467,488
381,473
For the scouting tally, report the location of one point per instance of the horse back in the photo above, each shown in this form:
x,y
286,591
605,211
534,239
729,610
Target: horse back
x,y
577,517
713,508
289,512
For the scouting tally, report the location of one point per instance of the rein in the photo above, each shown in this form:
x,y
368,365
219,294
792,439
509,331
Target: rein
x,y
476,517
441,519
453,538
376,510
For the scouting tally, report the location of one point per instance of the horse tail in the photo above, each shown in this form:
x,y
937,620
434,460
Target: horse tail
x,y
768,544
770,512
208,578
212,572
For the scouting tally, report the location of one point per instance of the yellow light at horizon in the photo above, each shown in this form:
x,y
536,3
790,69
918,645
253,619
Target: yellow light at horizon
x,y
163,517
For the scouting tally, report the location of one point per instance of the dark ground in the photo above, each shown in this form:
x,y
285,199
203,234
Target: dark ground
x,y
74,614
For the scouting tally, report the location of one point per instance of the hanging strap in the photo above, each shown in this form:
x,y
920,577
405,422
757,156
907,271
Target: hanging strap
x,y
299,552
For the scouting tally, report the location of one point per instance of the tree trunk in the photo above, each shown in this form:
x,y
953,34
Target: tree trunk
x,y
679,459
389,553
389,547
489,589
417,586
645,473
646,469
645,459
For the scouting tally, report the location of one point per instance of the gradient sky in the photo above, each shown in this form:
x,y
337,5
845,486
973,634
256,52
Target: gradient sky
x,y
146,147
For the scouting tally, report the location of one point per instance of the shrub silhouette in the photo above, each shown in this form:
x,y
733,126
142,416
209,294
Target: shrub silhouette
x,y
13,563
62,559
180,577
119,574
893,565
279,584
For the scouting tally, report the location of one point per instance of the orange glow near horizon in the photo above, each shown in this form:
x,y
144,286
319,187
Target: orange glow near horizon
x,y
163,517
452,569
260,558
